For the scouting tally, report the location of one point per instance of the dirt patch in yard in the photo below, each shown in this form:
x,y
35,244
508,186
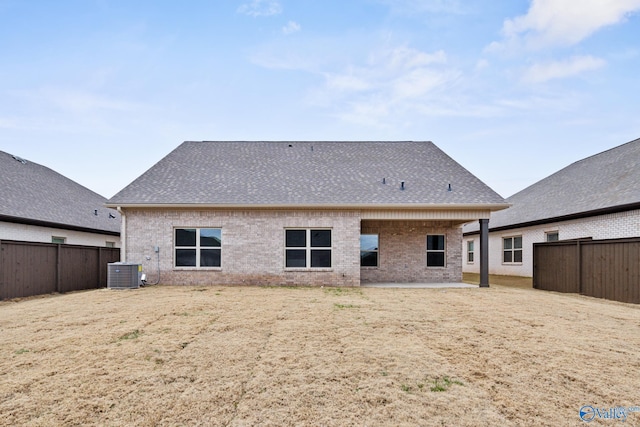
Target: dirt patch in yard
x,y
227,356
510,281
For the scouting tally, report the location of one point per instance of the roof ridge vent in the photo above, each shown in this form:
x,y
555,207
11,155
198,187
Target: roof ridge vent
x,y
19,159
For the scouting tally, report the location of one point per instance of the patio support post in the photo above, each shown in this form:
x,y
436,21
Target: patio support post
x,y
484,253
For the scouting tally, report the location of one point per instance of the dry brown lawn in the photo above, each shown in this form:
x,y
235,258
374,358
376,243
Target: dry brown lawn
x,y
243,356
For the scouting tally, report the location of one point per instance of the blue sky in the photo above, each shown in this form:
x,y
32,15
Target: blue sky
x,y
514,90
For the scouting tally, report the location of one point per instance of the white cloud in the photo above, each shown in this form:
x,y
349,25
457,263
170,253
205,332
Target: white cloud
x,y
539,73
399,73
261,8
562,22
82,101
407,58
422,6
291,27
391,83
346,82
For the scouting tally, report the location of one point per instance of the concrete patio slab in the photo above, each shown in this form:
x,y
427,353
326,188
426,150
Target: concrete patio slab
x,y
418,285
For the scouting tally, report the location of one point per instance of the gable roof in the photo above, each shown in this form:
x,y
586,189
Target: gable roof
x,y
603,183
297,174
34,194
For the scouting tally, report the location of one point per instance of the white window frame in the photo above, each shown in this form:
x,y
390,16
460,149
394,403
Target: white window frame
x,y
443,251
513,249
197,248
308,249
550,233
471,252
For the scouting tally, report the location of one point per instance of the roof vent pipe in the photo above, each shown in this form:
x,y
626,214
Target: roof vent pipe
x,y
449,189
402,185
384,180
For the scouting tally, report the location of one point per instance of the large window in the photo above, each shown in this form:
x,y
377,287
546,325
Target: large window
x,y
368,250
306,248
436,252
198,247
470,252
512,250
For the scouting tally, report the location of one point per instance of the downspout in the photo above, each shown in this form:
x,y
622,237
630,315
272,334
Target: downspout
x,y
123,235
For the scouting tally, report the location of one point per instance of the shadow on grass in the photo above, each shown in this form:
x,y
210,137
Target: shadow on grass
x,y
509,281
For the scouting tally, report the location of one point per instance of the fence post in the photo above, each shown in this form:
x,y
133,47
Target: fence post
x,y
58,264
579,266
99,278
484,253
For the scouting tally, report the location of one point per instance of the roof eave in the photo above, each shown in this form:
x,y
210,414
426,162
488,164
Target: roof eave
x,y
568,217
49,224
338,206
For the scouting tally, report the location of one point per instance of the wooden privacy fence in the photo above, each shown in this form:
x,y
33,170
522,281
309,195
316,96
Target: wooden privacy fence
x,y
598,268
28,268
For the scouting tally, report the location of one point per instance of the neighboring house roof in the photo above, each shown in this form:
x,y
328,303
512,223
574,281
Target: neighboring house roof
x,y
327,174
604,183
34,194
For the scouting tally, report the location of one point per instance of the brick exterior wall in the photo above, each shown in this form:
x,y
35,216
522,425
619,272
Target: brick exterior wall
x,y
611,226
34,233
253,247
403,252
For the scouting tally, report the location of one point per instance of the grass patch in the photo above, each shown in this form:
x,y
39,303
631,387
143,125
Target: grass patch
x,y
343,306
343,291
443,384
130,336
22,351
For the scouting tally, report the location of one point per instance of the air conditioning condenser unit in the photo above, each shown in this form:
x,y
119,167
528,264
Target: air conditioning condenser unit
x,y
122,275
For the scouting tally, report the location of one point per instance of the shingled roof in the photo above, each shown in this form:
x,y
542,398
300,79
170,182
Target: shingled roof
x,y
605,182
328,174
34,194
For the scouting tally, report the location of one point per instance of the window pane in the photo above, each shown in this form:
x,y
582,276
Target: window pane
x,y
470,257
321,238
435,242
517,242
368,242
185,257
508,243
210,258
296,238
507,256
210,237
470,246
517,256
320,258
435,259
553,237
186,237
368,259
296,258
